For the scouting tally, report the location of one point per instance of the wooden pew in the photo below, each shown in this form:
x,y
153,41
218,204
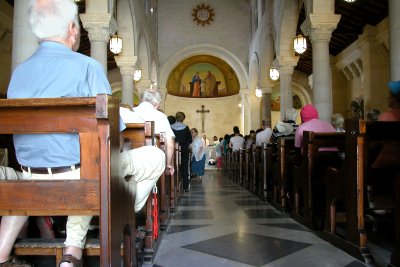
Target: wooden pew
x,y
247,169
176,184
235,166
100,190
242,165
254,161
141,134
164,187
341,203
308,183
285,149
268,156
367,176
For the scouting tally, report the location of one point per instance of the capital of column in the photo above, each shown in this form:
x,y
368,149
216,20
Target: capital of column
x,y
319,27
126,65
100,26
286,65
265,86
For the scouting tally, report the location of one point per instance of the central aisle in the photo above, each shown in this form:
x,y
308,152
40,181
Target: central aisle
x,y
220,224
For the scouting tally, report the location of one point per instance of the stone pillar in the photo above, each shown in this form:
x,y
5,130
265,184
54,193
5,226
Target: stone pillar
x,y
254,108
127,68
266,89
319,28
286,67
99,27
394,39
24,42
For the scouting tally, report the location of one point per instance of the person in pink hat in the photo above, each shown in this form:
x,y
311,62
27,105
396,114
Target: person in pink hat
x,y
310,122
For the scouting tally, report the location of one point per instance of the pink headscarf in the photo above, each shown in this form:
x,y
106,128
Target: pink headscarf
x,y
308,112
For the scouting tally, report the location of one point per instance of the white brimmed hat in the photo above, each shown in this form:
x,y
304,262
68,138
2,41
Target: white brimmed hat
x,y
284,128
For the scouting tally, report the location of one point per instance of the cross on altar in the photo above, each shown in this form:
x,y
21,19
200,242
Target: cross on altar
x,y
203,112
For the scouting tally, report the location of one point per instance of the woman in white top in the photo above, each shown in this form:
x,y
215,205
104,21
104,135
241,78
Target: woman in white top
x,y
236,142
198,155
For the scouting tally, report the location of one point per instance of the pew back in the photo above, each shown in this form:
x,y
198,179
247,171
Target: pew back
x,y
100,190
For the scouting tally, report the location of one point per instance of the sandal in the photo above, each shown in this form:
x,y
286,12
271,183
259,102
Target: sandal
x,y
71,259
15,262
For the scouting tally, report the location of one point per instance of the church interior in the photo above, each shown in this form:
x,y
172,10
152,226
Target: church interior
x,y
235,63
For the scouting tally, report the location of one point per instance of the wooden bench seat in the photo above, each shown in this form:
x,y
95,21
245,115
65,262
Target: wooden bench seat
x,y
100,191
54,247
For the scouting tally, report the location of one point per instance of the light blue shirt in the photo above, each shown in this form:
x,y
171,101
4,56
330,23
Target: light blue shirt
x,y
54,71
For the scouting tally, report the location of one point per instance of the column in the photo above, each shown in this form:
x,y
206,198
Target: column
x,y
286,68
266,89
394,39
251,110
24,42
127,68
319,28
99,27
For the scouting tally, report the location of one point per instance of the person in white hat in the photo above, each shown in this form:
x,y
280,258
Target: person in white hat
x,y
287,127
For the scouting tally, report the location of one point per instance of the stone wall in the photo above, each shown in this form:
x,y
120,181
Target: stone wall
x,y
230,28
224,113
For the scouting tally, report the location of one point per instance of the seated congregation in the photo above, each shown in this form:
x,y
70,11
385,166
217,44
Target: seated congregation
x,y
338,180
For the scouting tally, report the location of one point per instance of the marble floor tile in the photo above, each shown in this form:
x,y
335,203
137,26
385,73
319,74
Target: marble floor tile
x,y
248,248
181,228
220,224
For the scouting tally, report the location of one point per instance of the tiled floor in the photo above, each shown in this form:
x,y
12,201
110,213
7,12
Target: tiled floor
x,y
219,224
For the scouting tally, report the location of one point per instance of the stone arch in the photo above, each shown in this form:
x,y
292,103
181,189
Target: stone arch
x,y
153,72
126,27
303,92
203,49
254,71
144,55
285,27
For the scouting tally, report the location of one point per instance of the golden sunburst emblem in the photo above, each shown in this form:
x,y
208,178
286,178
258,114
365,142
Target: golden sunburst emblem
x,y
203,14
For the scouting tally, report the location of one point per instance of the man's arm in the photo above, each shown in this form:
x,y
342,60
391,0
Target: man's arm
x,y
170,144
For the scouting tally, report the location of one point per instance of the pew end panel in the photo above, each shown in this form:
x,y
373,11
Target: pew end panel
x,y
309,185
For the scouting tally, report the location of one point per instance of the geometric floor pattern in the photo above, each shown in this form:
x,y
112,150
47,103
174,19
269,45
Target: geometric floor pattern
x,y
251,249
219,224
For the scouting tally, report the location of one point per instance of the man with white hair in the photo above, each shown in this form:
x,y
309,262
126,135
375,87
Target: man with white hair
x,y
147,110
56,70
265,135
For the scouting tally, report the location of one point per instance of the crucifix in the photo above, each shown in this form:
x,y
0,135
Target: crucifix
x,y
203,112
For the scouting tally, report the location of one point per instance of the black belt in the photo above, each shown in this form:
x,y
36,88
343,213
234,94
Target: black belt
x,y
53,170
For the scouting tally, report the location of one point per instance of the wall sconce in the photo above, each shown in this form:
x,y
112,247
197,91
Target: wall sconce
x,y
258,92
137,75
273,73
116,44
300,44
240,105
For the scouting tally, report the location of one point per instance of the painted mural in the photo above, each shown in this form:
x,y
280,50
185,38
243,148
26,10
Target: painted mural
x,y
203,80
203,76
276,102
